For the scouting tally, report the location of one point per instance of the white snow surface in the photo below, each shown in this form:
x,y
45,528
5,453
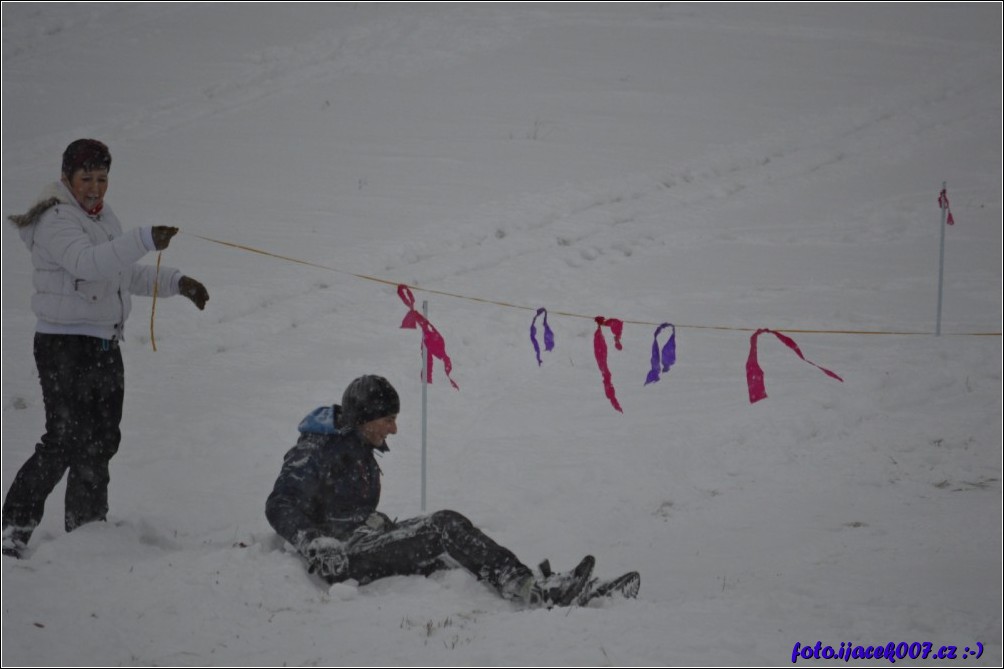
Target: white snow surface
x,y
714,166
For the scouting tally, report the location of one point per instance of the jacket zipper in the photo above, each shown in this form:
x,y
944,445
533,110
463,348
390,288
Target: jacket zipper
x,y
120,326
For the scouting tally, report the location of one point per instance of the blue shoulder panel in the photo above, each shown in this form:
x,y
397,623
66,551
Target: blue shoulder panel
x,y
319,421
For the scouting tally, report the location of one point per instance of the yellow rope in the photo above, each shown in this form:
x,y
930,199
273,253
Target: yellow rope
x,y
569,314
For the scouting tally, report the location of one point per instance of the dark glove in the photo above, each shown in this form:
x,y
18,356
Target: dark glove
x,y
194,291
162,236
326,557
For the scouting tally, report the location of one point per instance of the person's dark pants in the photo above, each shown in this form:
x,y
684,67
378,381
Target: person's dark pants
x,y
83,387
429,543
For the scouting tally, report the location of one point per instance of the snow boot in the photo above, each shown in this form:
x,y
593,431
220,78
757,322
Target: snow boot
x,y
15,541
626,585
565,588
523,590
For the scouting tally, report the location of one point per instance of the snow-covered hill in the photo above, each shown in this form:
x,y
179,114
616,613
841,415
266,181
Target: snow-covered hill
x,y
720,167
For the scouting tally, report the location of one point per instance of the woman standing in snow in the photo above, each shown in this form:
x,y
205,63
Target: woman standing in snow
x,y
324,503
85,270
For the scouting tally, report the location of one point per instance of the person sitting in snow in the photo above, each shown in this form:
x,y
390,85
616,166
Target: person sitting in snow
x,y
85,270
324,503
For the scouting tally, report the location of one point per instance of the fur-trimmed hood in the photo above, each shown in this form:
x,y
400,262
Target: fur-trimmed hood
x,y
53,194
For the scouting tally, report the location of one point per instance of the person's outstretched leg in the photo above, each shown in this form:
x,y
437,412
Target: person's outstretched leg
x,y
418,546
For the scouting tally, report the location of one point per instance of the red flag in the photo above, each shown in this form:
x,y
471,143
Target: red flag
x,y
754,375
943,203
600,349
435,345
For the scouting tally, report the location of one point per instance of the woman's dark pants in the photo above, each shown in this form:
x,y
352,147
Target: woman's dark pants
x,y
83,387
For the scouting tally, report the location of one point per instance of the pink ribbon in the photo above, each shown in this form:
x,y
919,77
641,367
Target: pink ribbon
x,y
600,348
943,203
435,345
754,375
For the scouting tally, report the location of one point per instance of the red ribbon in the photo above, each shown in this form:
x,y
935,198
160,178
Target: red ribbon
x,y
943,203
600,348
435,345
754,375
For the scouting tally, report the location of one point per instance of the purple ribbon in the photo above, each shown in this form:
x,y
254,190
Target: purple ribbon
x,y
548,335
668,356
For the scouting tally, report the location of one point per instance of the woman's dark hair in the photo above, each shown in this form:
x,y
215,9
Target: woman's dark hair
x,y
85,154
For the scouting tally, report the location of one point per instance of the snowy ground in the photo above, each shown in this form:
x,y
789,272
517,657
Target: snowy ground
x,y
733,166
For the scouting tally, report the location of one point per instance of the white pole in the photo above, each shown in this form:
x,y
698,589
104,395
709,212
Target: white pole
x,y
425,411
941,261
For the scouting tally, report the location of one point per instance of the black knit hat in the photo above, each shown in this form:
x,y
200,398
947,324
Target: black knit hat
x,y
368,398
85,154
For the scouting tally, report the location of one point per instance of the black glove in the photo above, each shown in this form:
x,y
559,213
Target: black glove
x,y
162,236
194,291
326,557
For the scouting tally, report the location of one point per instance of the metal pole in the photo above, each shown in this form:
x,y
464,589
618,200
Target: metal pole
x,y
425,405
941,261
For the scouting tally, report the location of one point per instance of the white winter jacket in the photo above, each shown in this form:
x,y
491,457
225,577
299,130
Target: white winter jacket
x,y
85,267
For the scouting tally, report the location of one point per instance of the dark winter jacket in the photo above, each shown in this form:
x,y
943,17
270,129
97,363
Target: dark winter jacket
x,y
329,483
